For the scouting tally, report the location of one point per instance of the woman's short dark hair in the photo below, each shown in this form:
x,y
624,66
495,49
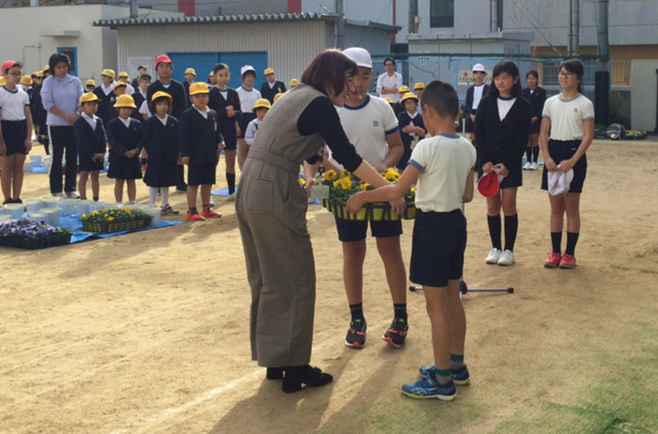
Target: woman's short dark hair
x,y
511,69
58,58
219,67
328,69
533,73
575,67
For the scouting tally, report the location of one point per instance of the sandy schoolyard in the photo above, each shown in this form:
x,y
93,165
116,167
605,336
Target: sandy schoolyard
x,y
148,332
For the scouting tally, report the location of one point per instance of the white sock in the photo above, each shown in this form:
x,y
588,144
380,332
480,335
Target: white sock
x,y
164,194
153,192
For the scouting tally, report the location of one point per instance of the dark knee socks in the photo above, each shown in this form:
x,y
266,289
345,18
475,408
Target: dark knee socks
x,y
230,179
511,229
528,154
556,241
572,239
495,229
535,153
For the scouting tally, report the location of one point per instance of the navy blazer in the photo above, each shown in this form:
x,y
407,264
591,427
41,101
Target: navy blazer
x,y
218,103
537,100
502,141
122,139
268,93
199,137
89,141
104,105
160,141
403,120
179,100
470,95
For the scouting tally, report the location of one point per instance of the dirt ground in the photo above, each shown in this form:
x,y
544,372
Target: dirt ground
x,y
148,332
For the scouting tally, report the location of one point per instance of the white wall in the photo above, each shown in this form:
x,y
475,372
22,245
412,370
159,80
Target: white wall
x,y
21,29
644,91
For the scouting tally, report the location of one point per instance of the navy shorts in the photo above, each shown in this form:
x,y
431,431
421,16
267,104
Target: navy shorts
x,y
470,125
563,150
14,134
199,174
437,252
355,230
88,164
244,122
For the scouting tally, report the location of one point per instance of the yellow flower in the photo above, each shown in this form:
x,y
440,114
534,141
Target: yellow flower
x,y
302,181
105,215
337,183
109,219
413,190
104,210
94,213
364,186
344,173
128,210
329,175
84,216
346,183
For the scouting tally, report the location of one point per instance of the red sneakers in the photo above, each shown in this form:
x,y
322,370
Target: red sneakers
x,y
196,217
552,260
568,261
210,214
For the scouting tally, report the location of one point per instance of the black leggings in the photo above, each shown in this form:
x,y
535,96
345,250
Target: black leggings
x,y
63,138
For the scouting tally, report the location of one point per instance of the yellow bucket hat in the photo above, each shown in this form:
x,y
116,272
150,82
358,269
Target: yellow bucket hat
x,y
293,82
262,103
90,82
277,96
26,80
118,84
88,97
190,71
123,74
403,89
419,86
268,71
125,101
198,87
108,73
407,96
160,94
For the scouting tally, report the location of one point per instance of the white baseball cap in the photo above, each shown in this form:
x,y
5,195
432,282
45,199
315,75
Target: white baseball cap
x,y
479,67
559,181
360,56
247,68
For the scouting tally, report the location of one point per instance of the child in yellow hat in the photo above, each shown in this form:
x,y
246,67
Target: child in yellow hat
x,y
412,128
123,136
261,107
91,141
105,94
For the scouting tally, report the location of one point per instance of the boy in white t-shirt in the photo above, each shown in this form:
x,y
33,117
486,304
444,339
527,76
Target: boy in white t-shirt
x,y
389,82
441,167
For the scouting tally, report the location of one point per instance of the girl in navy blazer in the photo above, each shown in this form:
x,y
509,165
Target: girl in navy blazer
x,y
502,127
537,97
92,143
124,138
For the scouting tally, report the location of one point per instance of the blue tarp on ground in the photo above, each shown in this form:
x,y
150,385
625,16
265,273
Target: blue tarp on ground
x,y
74,224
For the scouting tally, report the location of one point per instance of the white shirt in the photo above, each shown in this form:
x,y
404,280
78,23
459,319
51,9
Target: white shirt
x,y
504,105
163,120
393,81
568,116
90,120
223,92
126,122
13,103
252,129
366,127
477,95
144,110
248,98
444,162
129,89
107,90
204,114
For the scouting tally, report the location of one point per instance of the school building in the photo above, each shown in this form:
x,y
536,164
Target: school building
x,y
285,42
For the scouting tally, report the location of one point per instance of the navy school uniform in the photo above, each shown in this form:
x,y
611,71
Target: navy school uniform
x,y
503,141
89,142
268,92
161,144
199,138
104,105
218,103
179,100
122,139
139,100
468,103
114,113
405,119
537,99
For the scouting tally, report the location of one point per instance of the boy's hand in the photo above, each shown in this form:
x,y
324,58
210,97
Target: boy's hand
x,y
406,129
354,203
185,160
398,205
472,118
230,112
28,145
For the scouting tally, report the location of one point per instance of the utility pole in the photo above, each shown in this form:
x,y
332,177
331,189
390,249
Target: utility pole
x,y
340,25
574,28
133,9
413,14
602,82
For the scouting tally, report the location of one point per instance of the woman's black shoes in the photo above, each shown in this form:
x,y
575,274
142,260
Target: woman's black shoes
x,y
274,373
295,376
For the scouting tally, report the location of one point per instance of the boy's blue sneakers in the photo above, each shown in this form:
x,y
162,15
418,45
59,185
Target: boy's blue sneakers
x,y
460,376
427,388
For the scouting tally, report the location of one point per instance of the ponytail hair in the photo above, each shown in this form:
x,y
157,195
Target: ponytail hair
x,y
575,67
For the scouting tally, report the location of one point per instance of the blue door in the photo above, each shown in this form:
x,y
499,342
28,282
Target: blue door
x,y
204,62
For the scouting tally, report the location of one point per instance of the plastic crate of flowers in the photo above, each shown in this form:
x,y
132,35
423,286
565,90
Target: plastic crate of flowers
x,y
27,234
344,184
114,220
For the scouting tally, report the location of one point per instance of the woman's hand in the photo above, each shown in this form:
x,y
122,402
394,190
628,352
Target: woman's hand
x,y
550,164
502,170
71,118
354,203
307,187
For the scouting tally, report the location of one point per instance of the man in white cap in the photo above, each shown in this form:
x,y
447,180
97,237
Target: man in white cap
x,y
372,127
389,82
473,96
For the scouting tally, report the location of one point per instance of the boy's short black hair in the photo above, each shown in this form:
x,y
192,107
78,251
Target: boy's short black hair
x,y
441,97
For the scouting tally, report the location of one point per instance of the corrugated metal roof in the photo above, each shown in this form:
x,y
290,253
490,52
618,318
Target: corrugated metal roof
x,y
214,19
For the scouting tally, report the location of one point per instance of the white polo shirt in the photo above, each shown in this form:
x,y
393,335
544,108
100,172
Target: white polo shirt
x,y
247,98
393,81
12,103
366,126
568,116
444,162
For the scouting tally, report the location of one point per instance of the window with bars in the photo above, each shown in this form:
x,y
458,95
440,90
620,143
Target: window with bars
x,y
442,13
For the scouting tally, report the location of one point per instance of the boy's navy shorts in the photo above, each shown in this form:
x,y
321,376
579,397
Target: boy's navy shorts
x,y
244,122
356,230
199,174
437,252
564,150
14,134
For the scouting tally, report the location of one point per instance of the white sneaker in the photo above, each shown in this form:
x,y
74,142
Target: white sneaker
x,y
527,165
493,256
72,195
58,194
230,197
534,166
506,258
